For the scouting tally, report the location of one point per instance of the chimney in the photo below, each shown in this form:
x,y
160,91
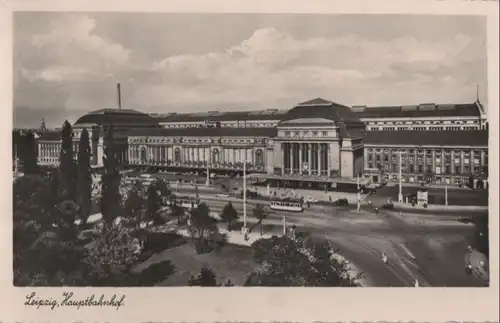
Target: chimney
x,y
119,96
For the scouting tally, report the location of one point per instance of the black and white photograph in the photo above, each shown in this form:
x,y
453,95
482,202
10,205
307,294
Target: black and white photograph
x,y
250,149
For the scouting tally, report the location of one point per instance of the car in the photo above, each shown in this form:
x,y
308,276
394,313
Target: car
x,y
464,219
311,200
222,195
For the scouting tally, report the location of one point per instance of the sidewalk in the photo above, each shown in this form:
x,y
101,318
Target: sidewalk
x,y
435,207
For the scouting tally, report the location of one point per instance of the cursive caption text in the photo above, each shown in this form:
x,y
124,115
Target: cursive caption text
x,y
68,299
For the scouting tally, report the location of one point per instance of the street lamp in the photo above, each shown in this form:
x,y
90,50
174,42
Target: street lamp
x,y
245,194
400,195
446,193
207,183
284,224
358,195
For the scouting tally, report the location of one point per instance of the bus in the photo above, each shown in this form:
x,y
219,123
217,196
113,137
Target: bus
x,y
286,204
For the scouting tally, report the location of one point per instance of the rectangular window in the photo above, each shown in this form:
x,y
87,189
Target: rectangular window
x,y
457,169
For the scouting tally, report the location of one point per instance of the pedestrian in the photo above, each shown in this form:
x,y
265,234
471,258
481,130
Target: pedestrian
x,y
384,258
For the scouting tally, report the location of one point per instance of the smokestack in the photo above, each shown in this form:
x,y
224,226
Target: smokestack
x,y
119,96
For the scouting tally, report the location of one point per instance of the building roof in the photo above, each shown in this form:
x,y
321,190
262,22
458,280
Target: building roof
x,y
206,132
50,136
427,138
214,116
118,117
419,111
321,108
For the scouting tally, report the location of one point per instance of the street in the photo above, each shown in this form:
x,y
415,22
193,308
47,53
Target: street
x,y
427,248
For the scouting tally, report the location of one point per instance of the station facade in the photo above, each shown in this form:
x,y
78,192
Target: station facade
x,y
316,142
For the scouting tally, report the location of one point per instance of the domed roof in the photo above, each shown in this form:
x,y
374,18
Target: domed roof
x,y
118,117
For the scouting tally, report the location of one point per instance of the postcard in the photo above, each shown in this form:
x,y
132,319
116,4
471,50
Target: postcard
x,y
250,161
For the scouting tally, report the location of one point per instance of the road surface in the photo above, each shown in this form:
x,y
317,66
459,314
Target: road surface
x,y
428,248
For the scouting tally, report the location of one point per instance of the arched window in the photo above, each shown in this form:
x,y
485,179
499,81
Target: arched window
x,y
143,154
215,155
177,154
259,157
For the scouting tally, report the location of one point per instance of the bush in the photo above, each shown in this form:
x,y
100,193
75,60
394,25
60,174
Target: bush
x,y
159,241
155,273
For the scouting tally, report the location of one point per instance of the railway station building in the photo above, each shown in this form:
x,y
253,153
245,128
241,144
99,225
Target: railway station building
x,y
316,143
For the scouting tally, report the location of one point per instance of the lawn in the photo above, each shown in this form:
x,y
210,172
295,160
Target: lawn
x,y
231,262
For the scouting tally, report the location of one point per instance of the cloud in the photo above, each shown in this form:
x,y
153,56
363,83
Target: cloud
x,y
72,42
268,68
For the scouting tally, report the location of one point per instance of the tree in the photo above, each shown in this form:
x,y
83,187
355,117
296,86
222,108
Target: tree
x,y
27,150
205,278
260,213
45,247
110,198
67,166
115,249
134,202
203,229
177,211
84,177
288,262
229,214
153,204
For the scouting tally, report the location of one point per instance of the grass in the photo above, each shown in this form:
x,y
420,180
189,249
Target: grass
x,y
231,262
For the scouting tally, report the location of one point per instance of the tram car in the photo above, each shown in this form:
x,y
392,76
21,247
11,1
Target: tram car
x,y
287,205
185,202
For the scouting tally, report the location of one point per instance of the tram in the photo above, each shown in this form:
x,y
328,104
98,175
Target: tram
x,y
289,205
185,202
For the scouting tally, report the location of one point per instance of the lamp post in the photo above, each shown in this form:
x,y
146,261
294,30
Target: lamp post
x,y
245,193
284,224
207,183
400,195
446,193
358,195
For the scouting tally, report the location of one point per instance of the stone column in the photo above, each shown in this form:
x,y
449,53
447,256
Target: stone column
x,y
320,146
329,160
283,165
300,158
309,152
292,157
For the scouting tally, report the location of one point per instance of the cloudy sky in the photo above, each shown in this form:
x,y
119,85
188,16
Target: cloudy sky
x,y
66,64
